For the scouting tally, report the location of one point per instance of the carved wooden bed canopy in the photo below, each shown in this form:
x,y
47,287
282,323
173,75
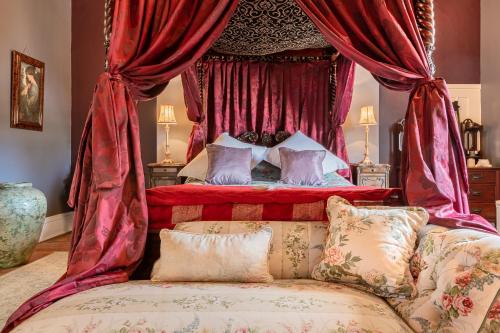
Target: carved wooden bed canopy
x,y
281,26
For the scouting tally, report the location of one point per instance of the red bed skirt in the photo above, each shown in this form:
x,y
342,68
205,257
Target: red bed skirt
x,y
168,205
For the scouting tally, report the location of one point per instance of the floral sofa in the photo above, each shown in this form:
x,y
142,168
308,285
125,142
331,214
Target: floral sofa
x,y
457,275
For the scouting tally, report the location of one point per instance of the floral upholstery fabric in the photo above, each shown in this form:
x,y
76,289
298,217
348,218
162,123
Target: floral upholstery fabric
x,y
295,248
371,247
457,276
281,306
491,323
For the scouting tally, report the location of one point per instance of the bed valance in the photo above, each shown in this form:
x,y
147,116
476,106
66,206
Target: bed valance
x,y
154,40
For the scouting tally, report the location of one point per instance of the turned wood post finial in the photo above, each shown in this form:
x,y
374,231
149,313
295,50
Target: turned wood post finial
x,y
424,11
109,6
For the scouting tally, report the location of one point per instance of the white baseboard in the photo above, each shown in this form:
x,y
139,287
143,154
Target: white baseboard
x,y
56,225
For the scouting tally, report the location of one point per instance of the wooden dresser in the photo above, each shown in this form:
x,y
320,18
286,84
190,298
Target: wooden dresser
x,y
484,189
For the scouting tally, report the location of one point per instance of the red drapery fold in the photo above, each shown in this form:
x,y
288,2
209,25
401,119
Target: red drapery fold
x,y
249,95
194,107
343,98
387,43
267,97
152,41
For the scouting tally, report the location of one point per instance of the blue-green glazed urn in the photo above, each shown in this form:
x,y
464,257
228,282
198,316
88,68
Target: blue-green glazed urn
x,y
22,213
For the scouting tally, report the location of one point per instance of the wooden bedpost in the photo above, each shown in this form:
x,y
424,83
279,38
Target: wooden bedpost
x,y
424,12
109,6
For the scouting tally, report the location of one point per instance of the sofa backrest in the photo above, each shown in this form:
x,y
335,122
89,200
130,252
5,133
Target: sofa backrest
x,y
296,246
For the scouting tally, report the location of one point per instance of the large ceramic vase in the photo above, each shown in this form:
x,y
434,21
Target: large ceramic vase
x,y
22,213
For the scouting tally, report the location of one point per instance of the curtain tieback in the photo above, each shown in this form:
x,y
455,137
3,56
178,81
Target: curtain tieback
x,y
427,80
114,76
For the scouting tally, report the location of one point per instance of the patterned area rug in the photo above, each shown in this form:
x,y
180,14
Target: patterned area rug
x,y
20,284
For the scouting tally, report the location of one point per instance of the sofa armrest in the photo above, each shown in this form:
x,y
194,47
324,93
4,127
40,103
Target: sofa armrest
x,y
491,323
457,273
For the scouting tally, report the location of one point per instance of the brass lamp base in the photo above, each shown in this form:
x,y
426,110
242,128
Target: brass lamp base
x,y
167,159
366,161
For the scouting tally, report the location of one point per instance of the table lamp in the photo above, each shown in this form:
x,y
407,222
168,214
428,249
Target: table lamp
x,y
167,118
367,119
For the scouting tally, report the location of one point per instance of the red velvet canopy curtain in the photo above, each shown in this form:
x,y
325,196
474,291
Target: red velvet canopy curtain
x,y
152,41
387,42
269,96
342,104
194,110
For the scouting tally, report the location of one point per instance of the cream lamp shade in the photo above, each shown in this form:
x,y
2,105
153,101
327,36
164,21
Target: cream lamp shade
x,y
167,115
367,116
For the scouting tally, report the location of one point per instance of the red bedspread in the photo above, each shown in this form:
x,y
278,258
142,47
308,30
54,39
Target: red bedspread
x,y
168,205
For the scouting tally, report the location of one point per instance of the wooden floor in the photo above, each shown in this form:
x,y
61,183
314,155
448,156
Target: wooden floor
x,y
60,243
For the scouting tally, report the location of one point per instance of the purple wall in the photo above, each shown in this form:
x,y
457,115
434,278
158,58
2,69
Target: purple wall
x,y
457,59
490,78
87,62
458,40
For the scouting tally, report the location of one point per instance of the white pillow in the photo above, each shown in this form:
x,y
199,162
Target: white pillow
x,y
186,256
299,141
198,167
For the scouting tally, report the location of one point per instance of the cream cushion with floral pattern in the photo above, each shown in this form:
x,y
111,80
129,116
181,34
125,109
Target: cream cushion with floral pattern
x,y
371,247
186,256
295,249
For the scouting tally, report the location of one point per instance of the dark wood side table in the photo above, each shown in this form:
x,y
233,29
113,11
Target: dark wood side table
x,y
164,174
484,189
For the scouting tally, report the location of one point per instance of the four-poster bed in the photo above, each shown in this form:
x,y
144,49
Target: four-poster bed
x,y
153,41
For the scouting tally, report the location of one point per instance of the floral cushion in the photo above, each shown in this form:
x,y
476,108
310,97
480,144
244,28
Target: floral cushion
x,y
296,247
458,277
281,306
370,247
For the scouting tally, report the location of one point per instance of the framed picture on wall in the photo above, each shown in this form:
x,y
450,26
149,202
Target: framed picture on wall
x,y
26,110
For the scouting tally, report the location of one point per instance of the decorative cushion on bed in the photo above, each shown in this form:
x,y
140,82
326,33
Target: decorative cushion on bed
x,y
295,249
198,167
302,167
371,247
266,172
299,141
228,166
186,256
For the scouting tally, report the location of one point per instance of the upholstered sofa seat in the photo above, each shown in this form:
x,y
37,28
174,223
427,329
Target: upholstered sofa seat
x,y
282,306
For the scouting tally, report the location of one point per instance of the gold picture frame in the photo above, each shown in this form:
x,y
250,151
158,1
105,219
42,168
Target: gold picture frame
x,y
27,91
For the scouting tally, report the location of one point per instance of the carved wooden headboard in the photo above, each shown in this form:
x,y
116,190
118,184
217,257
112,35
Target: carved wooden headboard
x,y
264,138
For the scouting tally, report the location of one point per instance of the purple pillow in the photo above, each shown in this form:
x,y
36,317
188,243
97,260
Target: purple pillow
x,y
228,165
304,167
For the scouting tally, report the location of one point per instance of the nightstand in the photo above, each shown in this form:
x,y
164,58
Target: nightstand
x,y
484,189
164,174
376,175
